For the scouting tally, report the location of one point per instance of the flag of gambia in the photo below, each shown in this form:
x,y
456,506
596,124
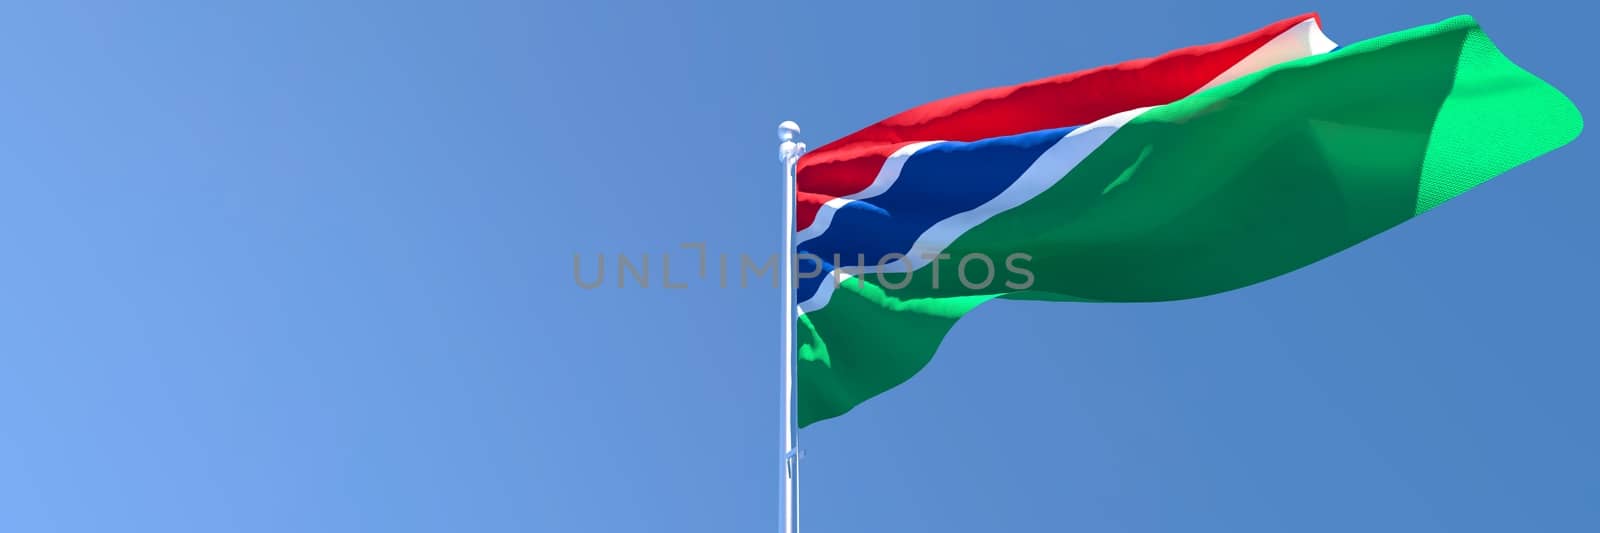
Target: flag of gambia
x,y
1200,171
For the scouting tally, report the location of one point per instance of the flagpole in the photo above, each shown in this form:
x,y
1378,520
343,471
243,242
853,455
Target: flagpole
x,y
789,151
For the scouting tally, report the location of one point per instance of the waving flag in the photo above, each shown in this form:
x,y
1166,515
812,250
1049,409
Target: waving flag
x,y
1200,171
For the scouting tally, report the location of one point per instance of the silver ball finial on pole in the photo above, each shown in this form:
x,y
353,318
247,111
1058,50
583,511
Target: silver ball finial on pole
x,y
790,149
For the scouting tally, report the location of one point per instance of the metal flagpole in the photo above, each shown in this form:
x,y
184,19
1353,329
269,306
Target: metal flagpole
x,y
789,151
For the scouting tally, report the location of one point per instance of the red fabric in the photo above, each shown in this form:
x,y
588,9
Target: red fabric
x,y
850,164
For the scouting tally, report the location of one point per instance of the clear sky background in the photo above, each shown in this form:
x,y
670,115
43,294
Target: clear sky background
x,y
307,266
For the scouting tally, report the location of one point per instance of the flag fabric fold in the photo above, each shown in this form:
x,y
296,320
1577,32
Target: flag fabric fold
x,y
1200,171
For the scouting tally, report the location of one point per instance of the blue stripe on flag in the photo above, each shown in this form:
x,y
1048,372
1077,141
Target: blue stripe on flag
x,y
936,183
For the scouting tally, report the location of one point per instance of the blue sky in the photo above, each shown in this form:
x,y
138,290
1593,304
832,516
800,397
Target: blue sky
x,y
303,266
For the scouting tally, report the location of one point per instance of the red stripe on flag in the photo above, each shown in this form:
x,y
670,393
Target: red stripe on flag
x,y
850,164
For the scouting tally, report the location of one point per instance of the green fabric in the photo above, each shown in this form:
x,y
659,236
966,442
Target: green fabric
x,y
1223,189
